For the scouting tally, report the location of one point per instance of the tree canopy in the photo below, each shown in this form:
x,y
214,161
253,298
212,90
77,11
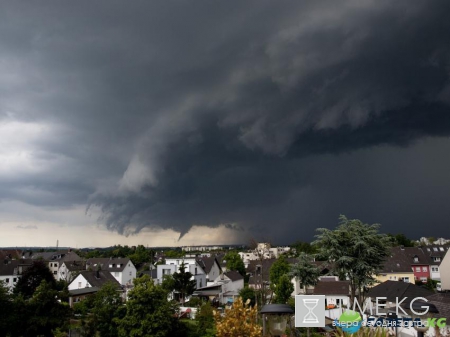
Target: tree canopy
x,y
305,271
148,314
32,278
234,262
183,283
356,249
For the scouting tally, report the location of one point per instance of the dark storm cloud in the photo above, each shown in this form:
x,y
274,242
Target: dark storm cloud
x,y
179,114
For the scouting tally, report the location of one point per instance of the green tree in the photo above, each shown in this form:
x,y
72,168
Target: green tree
x,y
168,283
48,313
283,289
305,271
107,308
205,319
33,277
183,283
6,309
234,262
401,240
141,255
279,268
248,293
303,247
356,249
149,314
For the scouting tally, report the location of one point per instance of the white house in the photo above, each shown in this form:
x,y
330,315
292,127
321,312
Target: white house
x,y
190,265
12,270
225,288
56,258
70,269
122,269
445,272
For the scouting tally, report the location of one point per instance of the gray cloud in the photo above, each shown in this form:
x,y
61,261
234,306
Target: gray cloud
x,y
27,227
169,115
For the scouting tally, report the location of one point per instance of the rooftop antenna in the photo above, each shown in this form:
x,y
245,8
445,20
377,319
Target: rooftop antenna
x,y
57,244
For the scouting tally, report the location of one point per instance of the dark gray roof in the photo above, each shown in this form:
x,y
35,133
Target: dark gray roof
x,y
442,303
75,265
82,291
12,267
64,255
332,288
398,289
233,275
116,264
99,278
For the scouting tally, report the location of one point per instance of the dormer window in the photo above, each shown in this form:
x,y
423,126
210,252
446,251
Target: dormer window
x,y
441,249
416,259
435,249
437,259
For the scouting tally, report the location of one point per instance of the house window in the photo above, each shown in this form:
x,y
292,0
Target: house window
x,y
434,269
437,259
424,269
435,249
423,279
166,271
195,271
79,285
116,274
55,272
130,273
418,269
14,279
404,279
416,259
7,280
441,249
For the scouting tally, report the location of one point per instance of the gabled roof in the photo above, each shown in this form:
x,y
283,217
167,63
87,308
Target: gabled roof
x,y
10,253
234,275
398,289
64,255
109,264
328,287
12,267
99,278
75,265
206,263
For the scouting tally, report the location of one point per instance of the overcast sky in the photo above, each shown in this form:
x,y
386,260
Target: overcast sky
x,y
180,122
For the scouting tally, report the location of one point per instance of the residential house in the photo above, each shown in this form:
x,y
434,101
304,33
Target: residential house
x,y
397,267
395,291
88,283
122,269
56,258
210,266
262,251
336,295
224,290
12,270
444,269
12,254
190,264
436,255
70,269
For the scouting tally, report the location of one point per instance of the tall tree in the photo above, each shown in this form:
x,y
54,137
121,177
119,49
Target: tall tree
x,y
305,271
48,313
234,262
248,293
284,289
356,249
279,268
149,314
32,278
183,283
107,308
6,309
